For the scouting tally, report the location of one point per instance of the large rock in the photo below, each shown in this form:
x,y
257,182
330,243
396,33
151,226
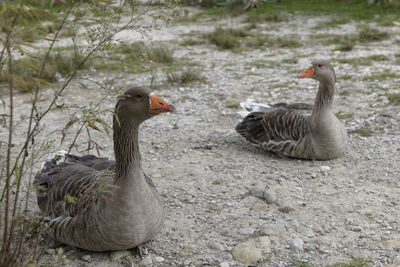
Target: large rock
x,y
246,254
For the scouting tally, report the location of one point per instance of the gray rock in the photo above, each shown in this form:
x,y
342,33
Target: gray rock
x,y
146,260
269,196
86,258
285,209
296,245
224,264
324,168
246,254
247,231
227,256
216,246
310,247
51,251
158,259
120,254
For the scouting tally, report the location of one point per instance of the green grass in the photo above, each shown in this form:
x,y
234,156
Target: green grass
x,y
351,9
232,104
355,262
226,38
344,115
332,23
369,34
366,61
238,40
386,74
185,76
364,130
133,58
394,98
260,18
60,62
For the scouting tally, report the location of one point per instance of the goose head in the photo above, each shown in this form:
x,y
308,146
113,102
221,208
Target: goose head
x,y
138,104
321,70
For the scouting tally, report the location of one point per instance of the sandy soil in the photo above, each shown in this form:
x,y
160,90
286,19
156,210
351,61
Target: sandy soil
x,y
319,212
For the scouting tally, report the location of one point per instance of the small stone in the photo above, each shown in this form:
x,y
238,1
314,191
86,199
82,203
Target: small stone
x,y
246,231
213,207
227,256
216,246
86,258
146,260
324,168
257,192
120,254
224,264
259,206
392,243
158,259
310,247
188,249
51,251
297,245
313,175
270,197
286,209
272,230
246,254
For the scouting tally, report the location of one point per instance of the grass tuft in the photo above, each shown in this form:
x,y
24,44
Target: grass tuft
x,y
394,98
185,76
226,38
368,34
365,130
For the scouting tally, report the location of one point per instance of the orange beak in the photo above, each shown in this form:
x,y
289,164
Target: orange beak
x,y
157,105
308,73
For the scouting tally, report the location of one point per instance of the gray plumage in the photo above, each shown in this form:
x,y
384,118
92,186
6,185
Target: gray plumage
x,y
287,131
101,205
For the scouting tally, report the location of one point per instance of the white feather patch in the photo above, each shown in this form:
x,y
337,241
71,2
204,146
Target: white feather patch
x,y
250,105
58,156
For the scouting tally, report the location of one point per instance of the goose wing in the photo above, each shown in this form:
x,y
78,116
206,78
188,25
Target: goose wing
x,y
278,130
74,185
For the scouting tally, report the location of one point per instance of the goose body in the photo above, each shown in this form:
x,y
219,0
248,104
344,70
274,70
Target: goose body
x,y
299,130
99,204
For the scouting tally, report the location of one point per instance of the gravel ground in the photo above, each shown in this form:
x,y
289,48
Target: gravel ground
x,y
230,203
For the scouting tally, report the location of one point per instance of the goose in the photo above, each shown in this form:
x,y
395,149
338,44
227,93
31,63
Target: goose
x,y
284,129
102,205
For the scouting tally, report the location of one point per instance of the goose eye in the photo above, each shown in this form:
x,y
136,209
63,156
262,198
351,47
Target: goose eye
x,y
139,96
319,65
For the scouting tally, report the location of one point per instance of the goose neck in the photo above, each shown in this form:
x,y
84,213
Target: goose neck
x,y
126,150
324,98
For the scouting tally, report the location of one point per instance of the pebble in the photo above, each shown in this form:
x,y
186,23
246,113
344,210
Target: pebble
x,y
227,257
224,264
246,231
269,196
146,260
86,258
120,254
324,168
297,245
246,254
392,243
51,251
158,259
272,230
286,209
216,246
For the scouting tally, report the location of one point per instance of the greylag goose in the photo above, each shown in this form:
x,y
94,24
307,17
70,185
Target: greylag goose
x,y
284,130
102,205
